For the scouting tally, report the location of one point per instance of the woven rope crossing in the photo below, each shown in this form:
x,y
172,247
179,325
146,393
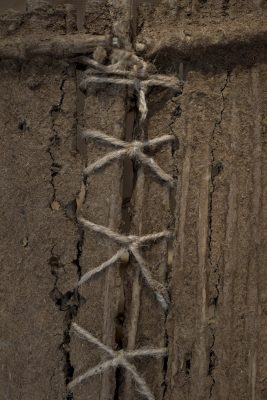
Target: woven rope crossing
x,y
117,358
133,150
119,74
131,244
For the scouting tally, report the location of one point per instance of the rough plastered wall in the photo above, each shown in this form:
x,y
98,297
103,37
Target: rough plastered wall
x,y
216,269
40,241
217,325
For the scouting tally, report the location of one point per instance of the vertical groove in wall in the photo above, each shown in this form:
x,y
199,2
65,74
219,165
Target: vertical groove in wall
x,y
109,331
231,246
171,199
136,288
202,255
253,276
179,246
130,181
214,253
108,390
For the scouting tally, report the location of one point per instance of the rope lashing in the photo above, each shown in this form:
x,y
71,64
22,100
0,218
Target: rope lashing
x,y
132,244
118,358
133,150
126,69
95,68
155,80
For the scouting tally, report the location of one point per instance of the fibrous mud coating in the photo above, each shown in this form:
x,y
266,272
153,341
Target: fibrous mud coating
x,y
68,69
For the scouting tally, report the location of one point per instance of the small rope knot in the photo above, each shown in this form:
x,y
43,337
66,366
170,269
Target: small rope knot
x,y
142,103
121,355
134,148
125,256
133,240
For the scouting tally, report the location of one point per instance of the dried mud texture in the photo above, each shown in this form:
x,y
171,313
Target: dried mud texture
x,y
170,13
215,269
48,20
218,295
38,241
203,39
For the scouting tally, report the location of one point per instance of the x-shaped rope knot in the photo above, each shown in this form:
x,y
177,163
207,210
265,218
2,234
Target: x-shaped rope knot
x,y
118,358
132,245
134,150
118,74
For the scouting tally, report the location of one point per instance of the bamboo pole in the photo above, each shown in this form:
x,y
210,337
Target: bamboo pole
x,y
184,41
61,46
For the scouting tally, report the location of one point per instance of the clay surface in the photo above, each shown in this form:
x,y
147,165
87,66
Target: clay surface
x,y
215,268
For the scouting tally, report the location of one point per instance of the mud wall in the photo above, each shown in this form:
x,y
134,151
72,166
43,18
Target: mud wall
x,y
215,269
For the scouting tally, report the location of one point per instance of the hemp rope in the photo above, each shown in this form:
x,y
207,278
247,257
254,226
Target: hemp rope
x,y
131,77
119,358
131,243
134,308
132,150
98,69
155,81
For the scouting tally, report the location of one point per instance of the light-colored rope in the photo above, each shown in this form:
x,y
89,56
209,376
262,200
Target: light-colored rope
x,y
130,73
113,69
124,239
107,139
142,103
160,291
133,150
132,244
119,255
119,358
129,70
169,83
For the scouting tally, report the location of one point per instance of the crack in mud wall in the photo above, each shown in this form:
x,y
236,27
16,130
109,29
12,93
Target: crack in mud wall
x,y
216,169
128,183
54,142
69,301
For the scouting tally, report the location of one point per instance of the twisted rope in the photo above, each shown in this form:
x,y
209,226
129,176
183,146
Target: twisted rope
x,y
138,72
155,80
118,358
128,70
132,245
133,150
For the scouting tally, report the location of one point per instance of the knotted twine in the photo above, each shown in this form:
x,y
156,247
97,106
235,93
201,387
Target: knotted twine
x,y
131,243
118,358
133,150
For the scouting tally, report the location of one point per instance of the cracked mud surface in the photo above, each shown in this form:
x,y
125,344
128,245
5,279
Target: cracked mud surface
x,y
216,268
